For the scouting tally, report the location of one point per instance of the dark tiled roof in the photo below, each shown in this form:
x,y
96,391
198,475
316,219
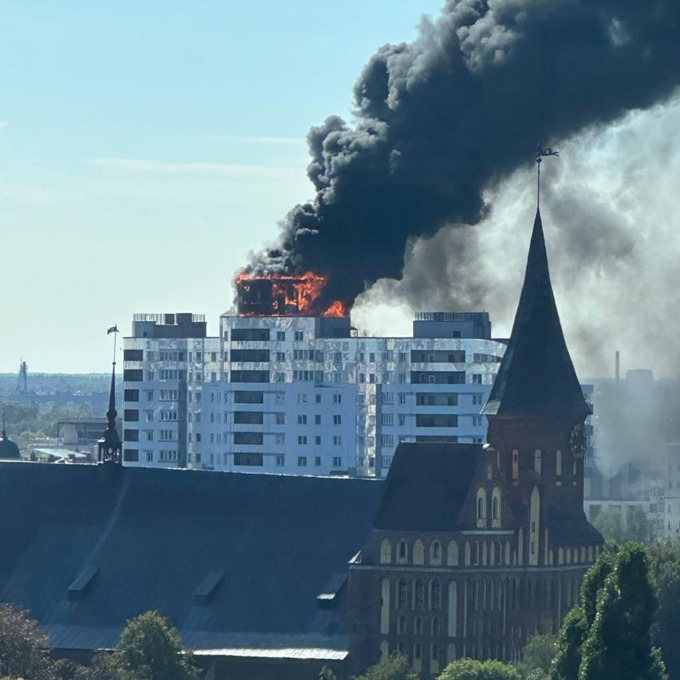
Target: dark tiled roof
x,y
574,531
8,448
427,486
85,548
536,376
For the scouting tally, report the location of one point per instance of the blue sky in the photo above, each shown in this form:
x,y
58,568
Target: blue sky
x,y
146,147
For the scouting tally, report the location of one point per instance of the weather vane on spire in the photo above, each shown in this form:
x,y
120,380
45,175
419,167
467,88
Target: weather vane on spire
x,y
543,152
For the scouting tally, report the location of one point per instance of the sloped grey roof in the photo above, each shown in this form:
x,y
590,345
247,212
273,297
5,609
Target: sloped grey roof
x,y
126,540
536,375
427,486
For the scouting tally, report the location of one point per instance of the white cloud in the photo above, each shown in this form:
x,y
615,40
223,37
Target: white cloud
x,y
3,124
281,141
227,170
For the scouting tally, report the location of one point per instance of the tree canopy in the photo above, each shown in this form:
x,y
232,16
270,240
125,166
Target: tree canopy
x,y
394,667
23,647
609,637
471,669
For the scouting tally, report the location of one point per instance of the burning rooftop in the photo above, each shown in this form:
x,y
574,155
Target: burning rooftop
x,y
285,295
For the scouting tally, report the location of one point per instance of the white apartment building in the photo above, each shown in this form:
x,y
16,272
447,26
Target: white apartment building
x,y
301,394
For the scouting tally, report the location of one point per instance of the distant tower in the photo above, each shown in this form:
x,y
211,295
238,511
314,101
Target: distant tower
x,y
110,447
22,382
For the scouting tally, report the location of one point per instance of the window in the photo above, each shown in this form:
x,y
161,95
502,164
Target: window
x,y
248,397
435,595
337,440
133,355
248,459
402,398
419,594
299,335
131,395
246,438
476,379
280,335
317,440
131,435
247,417
337,461
402,594
302,461
387,439
481,508
401,550
148,454
388,418
317,419
337,420
538,461
280,418
302,398
477,421
280,461
317,398
279,397
302,439
337,398
402,419
558,463
302,420
280,439
133,375
167,435
241,334
317,461
496,509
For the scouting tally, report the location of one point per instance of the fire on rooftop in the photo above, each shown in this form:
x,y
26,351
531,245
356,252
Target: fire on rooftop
x,y
284,295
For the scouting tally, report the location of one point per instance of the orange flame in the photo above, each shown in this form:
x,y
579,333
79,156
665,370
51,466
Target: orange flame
x,y
290,294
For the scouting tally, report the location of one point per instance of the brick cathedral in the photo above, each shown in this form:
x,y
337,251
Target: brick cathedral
x,y
476,548
465,550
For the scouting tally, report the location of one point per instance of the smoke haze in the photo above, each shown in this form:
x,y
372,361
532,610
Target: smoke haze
x,y
609,210
441,123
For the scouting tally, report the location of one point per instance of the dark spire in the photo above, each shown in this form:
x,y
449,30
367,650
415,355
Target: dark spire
x,y
110,447
536,376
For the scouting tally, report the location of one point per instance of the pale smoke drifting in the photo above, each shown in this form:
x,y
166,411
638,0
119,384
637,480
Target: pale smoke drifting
x,y
611,214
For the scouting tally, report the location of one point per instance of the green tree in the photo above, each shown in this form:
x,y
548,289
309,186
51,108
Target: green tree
x,y
537,657
471,669
23,647
619,642
609,637
150,649
664,565
395,667
569,642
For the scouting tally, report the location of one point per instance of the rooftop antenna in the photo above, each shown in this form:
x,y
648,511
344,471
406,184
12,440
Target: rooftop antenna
x,y
543,152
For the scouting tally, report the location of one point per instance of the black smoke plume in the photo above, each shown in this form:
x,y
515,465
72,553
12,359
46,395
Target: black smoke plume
x,y
441,118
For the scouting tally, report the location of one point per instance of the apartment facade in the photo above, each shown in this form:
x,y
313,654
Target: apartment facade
x,y
301,394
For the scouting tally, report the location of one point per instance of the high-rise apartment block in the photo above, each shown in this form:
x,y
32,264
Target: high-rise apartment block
x,y
301,394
